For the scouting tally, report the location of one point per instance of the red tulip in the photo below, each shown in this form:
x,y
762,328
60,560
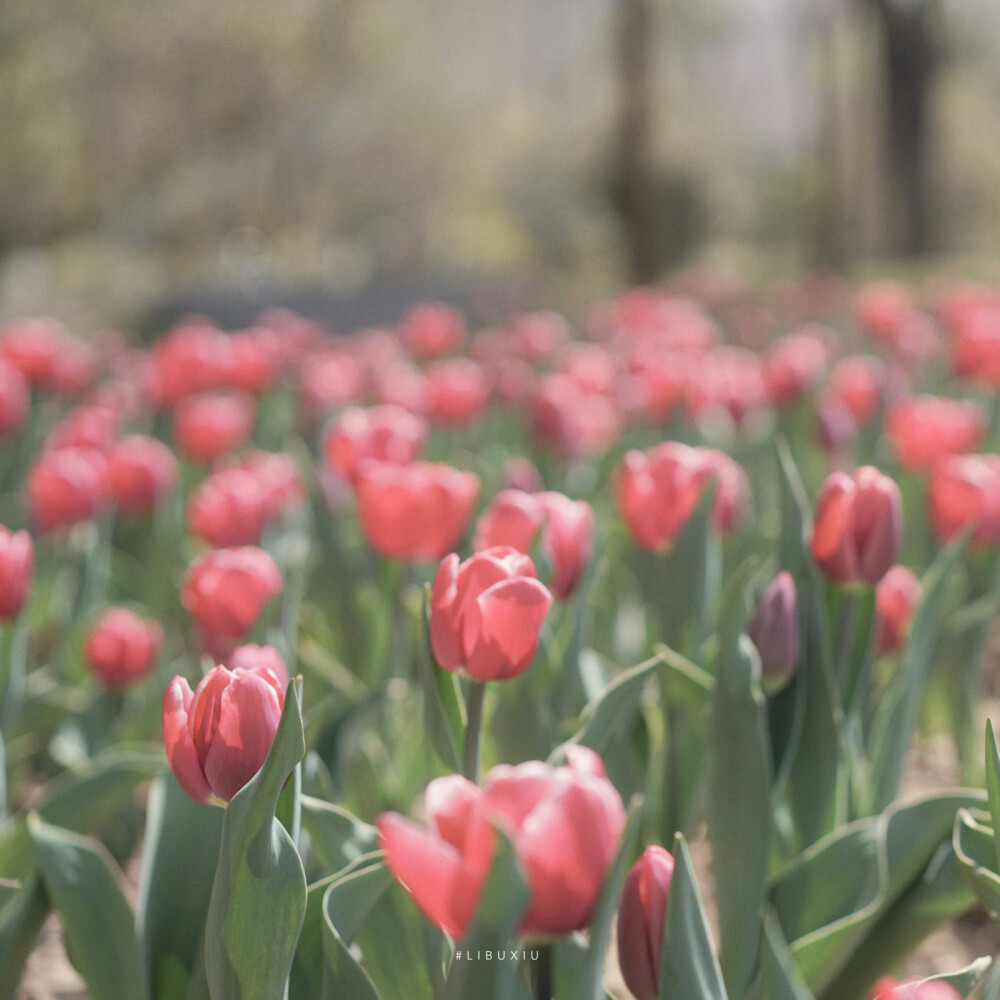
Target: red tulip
x,y
513,517
142,471
225,591
218,736
571,419
965,490
795,364
889,988
85,426
926,428
386,433
486,614
896,598
858,526
210,425
121,647
414,512
195,356
47,355
278,479
567,539
250,657
859,382
456,392
17,562
15,398
641,917
227,509
431,329
67,486
255,360
445,866
659,489
730,379
329,379
566,824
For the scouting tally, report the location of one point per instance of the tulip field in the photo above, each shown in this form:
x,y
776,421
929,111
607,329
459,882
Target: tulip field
x,y
544,658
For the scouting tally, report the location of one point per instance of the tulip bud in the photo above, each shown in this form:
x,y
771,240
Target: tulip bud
x,y
858,526
121,647
965,490
387,433
774,630
431,329
17,561
67,486
896,598
889,988
926,428
142,471
641,917
218,736
227,509
456,392
486,614
225,591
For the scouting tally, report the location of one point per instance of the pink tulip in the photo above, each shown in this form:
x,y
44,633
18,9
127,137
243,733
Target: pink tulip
x,y
121,647
386,433
17,562
142,471
218,736
889,988
67,486
964,490
15,398
641,917
896,598
926,428
210,425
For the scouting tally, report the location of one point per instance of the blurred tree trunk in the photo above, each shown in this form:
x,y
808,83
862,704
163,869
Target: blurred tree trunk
x,y
908,66
634,168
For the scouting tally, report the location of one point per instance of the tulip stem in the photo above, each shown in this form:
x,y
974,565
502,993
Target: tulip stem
x,y
541,974
474,728
848,612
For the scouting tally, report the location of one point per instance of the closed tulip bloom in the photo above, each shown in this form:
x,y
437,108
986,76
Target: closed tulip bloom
x,y
386,433
513,517
456,392
890,988
142,471
67,486
85,426
926,428
194,356
47,355
486,614
415,512
896,598
227,509
444,865
774,630
15,398
567,539
218,736
210,425
121,647
641,917
964,490
431,329
795,364
17,563
225,591
251,657
859,521
566,824
659,489
859,383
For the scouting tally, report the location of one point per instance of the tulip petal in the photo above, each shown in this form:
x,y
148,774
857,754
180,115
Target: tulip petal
x,y
511,614
178,742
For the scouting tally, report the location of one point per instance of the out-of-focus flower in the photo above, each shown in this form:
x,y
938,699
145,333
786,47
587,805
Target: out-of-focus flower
x,y
890,988
330,378
926,428
45,353
659,489
86,426
836,427
15,398
730,379
859,521
456,392
965,490
445,865
641,917
414,512
385,433
565,823
121,647
572,420
66,486
255,359
194,356
883,307
210,425
17,562
774,630
142,471
225,591
975,327
859,382
795,364
486,614
250,657
896,598
432,329
227,509
218,736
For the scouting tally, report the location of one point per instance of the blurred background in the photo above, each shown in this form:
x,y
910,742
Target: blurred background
x,y
553,151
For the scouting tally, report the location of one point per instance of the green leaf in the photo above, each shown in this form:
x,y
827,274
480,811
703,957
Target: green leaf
x,y
581,977
179,859
993,785
336,836
899,711
259,894
505,897
778,978
688,964
739,796
967,979
21,918
974,843
988,987
98,922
